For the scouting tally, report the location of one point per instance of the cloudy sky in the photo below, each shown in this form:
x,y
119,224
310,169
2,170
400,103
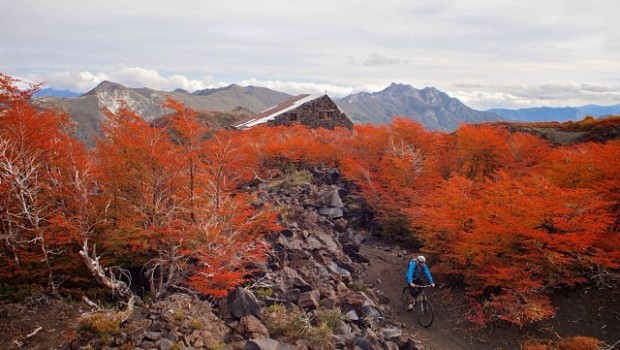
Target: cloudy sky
x,y
487,53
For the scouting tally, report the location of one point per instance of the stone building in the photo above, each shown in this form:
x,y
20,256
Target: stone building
x,y
315,111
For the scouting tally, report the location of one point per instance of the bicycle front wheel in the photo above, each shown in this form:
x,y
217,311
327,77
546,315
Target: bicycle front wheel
x,y
426,314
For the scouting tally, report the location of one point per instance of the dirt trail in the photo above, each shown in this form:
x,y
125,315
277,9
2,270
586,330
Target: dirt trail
x,y
583,312
384,272
449,331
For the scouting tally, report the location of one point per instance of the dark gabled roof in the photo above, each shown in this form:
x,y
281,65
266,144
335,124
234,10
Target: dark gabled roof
x,y
272,112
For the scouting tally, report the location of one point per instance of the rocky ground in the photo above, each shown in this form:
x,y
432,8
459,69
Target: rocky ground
x,y
328,284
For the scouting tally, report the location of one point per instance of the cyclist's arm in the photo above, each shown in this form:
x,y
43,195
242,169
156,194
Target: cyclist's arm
x,y
410,273
427,272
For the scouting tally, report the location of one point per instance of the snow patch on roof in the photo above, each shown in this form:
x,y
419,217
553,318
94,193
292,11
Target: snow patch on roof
x,y
272,112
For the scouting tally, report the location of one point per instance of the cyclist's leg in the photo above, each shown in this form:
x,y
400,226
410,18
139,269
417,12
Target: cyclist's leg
x,y
410,300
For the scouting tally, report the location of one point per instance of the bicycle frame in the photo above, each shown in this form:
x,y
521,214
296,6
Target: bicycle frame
x,y
425,307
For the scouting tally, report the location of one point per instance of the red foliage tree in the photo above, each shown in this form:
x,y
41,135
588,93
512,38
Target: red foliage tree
x,y
39,163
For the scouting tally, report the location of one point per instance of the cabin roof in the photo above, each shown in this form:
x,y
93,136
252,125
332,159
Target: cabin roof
x,y
272,112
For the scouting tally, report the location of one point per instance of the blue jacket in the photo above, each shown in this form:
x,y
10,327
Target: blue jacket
x,y
414,272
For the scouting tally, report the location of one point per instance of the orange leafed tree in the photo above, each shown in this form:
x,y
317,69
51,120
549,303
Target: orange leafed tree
x,y
39,164
175,196
188,134
482,150
139,166
513,238
394,168
229,229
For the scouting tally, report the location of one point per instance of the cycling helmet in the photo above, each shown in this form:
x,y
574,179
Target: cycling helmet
x,y
421,259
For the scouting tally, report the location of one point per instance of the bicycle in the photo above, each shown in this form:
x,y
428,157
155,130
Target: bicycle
x,y
426,315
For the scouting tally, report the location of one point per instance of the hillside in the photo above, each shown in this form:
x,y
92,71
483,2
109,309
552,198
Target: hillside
x,y
571,132
432,108
323,263
273,227
86,110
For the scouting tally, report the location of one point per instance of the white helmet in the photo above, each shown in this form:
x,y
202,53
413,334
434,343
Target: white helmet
x,y
421,259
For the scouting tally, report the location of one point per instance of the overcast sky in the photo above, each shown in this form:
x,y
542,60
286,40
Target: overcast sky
x,y
487,53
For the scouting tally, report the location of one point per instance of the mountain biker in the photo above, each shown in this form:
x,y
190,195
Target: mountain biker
x,y
415,269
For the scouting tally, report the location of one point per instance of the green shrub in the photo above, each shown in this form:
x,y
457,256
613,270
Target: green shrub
x,y
293,325
103,325
357,287
15,293
333,318
292,178
285,211
195,324
263,293
319,336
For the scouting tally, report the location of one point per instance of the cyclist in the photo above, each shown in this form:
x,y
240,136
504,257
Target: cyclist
x,y
415,269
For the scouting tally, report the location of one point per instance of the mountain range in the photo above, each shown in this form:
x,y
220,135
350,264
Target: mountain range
x,y
432,108
87,110
49,92
559,114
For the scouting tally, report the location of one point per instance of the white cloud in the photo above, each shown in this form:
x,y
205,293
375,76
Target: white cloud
x,y
296,88
151,78
552,94
68,80
136,77
338,46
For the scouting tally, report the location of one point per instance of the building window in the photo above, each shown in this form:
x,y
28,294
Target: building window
x,y
293,117
326,114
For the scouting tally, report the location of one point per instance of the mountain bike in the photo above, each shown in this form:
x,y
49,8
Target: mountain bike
x,y
426,314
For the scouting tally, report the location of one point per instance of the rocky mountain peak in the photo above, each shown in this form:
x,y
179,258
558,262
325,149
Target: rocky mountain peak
x,y
206,92
181,91
106,86
397,90
432,108
233,87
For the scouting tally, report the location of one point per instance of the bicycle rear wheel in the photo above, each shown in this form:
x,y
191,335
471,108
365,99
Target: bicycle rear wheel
x,y
406,298
426,316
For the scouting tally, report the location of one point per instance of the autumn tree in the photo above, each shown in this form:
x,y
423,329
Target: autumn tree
x,y
188,134
513,238
176,201
38,160
393,167
229,228
140,167
482,150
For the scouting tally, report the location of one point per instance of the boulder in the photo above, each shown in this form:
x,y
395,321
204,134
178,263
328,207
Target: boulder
x,y
252,327
351,301
331,212
241,303
266,344
332,198
309,300
328,240
293,280
392,333
368,340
